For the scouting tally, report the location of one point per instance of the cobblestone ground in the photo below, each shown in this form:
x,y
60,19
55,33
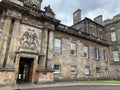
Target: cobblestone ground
x,y
82,87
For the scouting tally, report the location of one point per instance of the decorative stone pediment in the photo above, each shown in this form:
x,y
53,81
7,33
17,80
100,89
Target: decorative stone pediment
x,y
29,40
34,3
49,12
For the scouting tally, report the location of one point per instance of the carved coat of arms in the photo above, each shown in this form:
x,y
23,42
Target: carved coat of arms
x,y
29,40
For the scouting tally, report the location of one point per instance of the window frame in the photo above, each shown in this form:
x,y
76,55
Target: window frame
x,y
113,38
59,69
97,70
106,71
88,70
118,56
71,50
96,53
75,70
87,54
105,55
60,48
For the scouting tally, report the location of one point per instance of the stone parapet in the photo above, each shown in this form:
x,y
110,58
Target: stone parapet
x,y
114,19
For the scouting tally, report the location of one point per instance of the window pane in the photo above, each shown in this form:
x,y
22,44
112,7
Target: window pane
x,y
104,55
57,45
56,69
73,49
116,55
57,42
97,70
86,51
113,36
73,46
107,71
96,52
87,71
73,70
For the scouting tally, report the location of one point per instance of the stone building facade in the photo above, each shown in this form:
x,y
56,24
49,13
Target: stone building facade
x,y
35,47
112,33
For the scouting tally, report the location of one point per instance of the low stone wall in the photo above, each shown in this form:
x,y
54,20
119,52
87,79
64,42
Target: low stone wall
x,y
85,78
45,76
7,78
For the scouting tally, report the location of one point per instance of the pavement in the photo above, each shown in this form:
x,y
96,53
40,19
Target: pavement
x,y
58,84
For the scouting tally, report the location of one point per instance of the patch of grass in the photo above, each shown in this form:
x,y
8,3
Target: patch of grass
x,y
101,82
94,82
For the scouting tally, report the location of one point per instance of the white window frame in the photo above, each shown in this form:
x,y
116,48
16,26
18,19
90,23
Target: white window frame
x,y
57,45
97,70
87,71
106,71
113,36
116,56
86,51
96,52
73,70
57,69
73,50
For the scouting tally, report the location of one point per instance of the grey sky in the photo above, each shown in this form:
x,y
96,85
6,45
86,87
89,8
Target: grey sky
x,y
90,8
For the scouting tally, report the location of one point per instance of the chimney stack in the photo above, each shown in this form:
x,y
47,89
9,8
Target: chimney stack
x,y
99,19
76,16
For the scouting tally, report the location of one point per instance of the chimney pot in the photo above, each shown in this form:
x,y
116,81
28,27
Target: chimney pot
x,y
77,16
99,19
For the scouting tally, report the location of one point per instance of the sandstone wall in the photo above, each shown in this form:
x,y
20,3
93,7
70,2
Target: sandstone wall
x,y
65,60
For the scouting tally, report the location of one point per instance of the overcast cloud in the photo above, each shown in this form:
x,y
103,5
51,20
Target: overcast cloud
x,y
90,8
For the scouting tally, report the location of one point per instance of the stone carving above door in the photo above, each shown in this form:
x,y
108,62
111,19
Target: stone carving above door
x,y
29,40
